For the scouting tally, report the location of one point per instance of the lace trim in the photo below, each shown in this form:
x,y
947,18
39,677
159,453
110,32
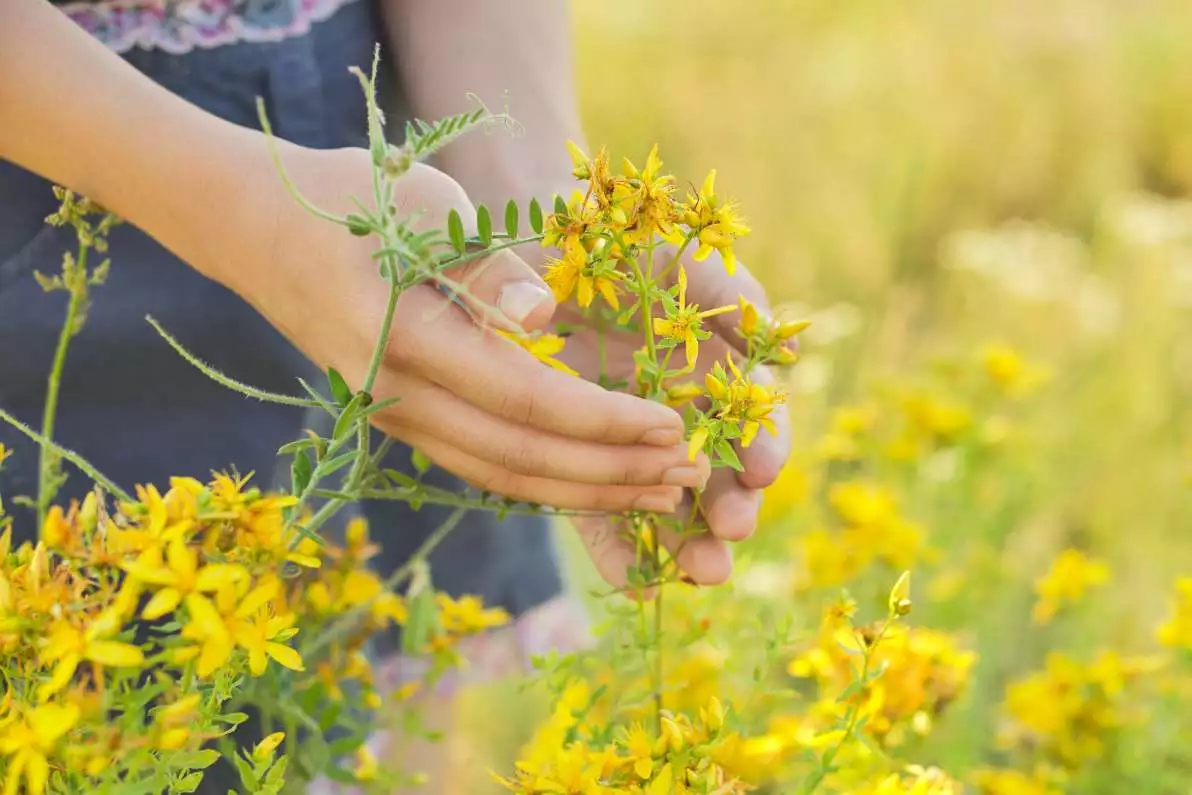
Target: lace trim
x,y
179,26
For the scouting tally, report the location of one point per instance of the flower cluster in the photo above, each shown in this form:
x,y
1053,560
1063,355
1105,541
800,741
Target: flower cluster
x,y
195,589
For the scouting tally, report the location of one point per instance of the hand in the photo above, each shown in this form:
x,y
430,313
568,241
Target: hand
x,y
471,401
731,501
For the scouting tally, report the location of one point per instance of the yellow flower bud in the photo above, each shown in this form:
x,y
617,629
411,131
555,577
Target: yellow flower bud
x,y
790,328
266,748
173,739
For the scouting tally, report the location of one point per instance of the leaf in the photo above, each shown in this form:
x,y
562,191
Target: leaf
x,y
560,206
293,447
401,479
511,225
484,225
420,461
189,782
350,414
728,455
339,462
455,230
339,387
301,471
536,216
194,760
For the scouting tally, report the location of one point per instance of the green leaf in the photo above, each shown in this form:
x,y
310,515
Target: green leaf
x,y
560,206
189,782
728,455
401,479
339,462
194,760
511,225
420,461
455,230
484,225
536,216
293,447
301,471
339,387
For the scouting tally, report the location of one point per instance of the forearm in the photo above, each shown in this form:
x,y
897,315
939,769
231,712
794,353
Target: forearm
x,y
520,50
80,116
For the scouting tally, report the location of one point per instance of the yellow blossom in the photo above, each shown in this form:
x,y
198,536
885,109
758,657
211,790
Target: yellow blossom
x,y
684,325
1071,574
543,347
30,742
715,222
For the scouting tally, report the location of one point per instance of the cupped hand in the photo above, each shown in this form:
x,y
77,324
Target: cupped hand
x,y
731,501
473,402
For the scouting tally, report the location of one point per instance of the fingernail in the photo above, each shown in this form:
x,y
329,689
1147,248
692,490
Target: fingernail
x,y
519,299
662,437
654,502
687,476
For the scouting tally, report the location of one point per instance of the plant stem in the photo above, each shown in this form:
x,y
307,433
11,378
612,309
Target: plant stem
x,y
48,468
68,455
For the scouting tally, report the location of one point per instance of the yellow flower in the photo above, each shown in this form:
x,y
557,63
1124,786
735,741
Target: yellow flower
x,y
5,452
30,742
178,575
715,222
1011,782
216,626
684,324
68,645
1176,631
1009,371
742,402
1065,583
263,636
647,194
366,765
467,615
575,274
543,347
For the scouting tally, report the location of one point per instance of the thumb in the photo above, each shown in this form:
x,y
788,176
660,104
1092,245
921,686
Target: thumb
x,y
502,290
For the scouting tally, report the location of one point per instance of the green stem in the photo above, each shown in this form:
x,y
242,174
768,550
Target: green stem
x,y
83,464
230,383
76,284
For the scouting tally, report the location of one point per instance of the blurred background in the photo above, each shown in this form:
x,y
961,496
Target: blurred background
x,y
985,209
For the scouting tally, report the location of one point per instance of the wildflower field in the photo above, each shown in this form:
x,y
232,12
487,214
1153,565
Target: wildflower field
x,y
984,210
974,575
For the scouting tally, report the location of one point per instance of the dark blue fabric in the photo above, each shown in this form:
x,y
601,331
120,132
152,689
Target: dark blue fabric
x,y
136,409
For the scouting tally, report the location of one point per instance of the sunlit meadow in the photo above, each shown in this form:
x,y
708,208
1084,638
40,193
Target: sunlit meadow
x,y
985,209
972,576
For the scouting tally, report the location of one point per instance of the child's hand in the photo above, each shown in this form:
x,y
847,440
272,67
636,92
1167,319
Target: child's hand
x,y
731,501
474,403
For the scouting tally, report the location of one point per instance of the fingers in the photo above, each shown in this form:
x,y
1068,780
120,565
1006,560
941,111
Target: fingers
x,y
612,553
430,409
566,495
503,290
729,507
705,558
439,342
710,286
